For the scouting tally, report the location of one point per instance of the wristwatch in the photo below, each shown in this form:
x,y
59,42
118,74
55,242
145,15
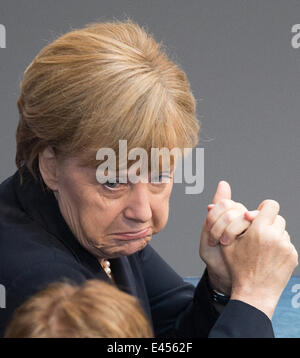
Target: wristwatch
x,y
219,297
216,296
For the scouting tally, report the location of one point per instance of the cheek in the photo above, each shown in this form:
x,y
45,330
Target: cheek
x,y
97,216
88,214
69,205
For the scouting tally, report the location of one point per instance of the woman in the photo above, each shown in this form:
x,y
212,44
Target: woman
x,y
92,310
87,90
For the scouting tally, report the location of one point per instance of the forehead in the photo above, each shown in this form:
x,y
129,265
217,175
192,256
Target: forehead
x,y
151,160
145,162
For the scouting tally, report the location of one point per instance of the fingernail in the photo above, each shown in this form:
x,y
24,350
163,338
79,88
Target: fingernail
x,y
210,206
247,216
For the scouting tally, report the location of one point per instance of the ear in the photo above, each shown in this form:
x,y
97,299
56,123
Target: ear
x,y
48,167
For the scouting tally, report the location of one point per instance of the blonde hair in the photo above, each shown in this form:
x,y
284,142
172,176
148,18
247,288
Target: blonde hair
x,y
94,309
98,84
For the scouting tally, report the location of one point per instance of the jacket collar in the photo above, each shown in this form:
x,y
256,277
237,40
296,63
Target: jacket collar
x,y
41,206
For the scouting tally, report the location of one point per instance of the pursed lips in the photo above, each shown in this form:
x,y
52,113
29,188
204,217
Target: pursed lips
x,y
134,234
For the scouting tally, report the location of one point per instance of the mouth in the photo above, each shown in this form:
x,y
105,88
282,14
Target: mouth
x,y
134,234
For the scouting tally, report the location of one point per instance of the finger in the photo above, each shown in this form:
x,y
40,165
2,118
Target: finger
x,y
219,209
240,207
220,225
279,223
268,212
262,204
234,229
223,192
251,215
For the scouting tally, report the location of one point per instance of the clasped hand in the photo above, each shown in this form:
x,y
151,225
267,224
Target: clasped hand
x,y
249,254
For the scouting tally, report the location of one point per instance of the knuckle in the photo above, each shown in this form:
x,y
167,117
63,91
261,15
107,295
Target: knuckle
x,y
282,220
225,204
274,233
240,207
230,216
214,233
210,219
293,258
296,258
268,235
212,241
289,250
294,253
229,234
287,236
284,245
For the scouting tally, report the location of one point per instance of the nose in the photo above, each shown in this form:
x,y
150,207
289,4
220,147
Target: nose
x,y
138,207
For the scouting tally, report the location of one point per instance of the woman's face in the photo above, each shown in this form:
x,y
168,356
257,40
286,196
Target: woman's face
x,y
98,213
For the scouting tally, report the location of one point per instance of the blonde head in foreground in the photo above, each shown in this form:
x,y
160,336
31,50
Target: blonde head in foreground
x,y
93,310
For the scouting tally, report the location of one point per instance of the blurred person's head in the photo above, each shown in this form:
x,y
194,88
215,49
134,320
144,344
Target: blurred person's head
x,y
94,309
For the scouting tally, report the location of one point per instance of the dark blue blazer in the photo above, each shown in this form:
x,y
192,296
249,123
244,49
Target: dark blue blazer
x,y
37,248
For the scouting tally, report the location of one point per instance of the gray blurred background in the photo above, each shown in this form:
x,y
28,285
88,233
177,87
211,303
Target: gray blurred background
x,y
243,72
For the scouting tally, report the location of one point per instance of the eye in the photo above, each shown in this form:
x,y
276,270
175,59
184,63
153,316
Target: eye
x,y
110,185
158,179
113,184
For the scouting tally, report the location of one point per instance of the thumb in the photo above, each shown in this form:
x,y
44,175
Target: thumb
x,y
223,192
261,204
